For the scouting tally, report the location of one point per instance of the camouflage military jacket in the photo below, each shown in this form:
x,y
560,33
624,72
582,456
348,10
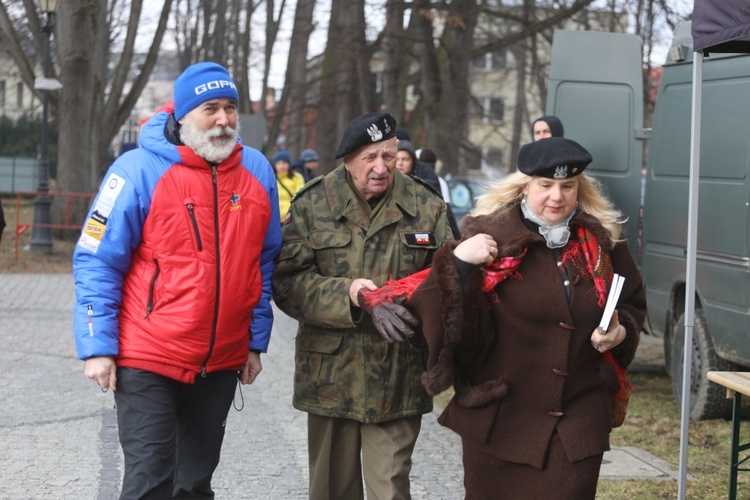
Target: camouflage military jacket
x,y
343,367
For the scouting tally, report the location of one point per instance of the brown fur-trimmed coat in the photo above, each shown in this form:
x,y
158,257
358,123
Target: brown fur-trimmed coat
x,y
522,364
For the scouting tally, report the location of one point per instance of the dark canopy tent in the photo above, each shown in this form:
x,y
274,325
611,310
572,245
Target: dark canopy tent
x,y
721,26
718,26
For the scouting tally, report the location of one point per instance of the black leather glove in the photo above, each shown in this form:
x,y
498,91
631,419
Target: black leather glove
x,y
393,321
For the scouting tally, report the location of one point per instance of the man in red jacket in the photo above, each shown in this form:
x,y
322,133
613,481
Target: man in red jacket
x,y
173,284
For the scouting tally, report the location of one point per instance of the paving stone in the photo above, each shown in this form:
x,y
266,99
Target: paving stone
x,y
59,431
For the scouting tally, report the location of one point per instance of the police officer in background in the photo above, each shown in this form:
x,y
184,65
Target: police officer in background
x,y
348,231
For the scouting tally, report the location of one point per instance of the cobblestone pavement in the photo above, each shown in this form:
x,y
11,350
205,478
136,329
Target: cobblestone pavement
x,y
59,431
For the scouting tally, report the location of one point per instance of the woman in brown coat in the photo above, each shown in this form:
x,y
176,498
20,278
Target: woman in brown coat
x,y
510,315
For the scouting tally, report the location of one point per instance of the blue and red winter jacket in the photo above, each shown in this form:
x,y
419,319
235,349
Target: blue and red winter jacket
x,y
173,266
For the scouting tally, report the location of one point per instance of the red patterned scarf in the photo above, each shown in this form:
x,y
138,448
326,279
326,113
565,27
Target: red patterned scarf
x,y
597,264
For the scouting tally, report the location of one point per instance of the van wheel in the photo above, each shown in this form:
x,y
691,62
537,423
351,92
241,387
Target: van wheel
x,y
707,399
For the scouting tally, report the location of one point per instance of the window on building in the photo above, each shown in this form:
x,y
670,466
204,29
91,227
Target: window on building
x,y
491,61
493,109
378,77
494,158
19,95
497,59
2,94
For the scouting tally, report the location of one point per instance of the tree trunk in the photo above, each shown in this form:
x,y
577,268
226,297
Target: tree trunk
x,y
397,58
430,74
339,85
76,38
295,83
451,120
520,51
272,31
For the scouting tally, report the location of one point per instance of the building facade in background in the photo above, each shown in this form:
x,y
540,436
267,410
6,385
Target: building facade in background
x,y
16,98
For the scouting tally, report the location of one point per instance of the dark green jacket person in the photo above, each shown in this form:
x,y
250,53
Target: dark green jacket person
x,y
344,368
348,232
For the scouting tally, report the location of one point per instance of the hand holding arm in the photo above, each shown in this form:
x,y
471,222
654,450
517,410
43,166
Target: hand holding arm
x,y
480,249
358,285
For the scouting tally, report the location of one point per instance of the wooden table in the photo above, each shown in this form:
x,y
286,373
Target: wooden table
x,y
737,384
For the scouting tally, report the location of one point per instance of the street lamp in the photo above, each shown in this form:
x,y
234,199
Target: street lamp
x,y
41,237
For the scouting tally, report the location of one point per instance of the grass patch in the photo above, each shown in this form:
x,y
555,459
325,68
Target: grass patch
x,y
653,425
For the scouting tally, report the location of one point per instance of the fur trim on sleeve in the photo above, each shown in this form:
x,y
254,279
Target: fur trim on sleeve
x,y
462,336
440,369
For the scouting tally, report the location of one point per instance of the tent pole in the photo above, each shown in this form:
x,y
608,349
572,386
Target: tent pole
x,y
692,243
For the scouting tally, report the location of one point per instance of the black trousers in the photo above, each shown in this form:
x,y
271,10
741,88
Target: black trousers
x,y
171,433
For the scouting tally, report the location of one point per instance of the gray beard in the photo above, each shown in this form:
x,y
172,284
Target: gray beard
x,y
200,140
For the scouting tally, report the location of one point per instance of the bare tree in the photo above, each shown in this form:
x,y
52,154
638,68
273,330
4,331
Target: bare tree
x,y
272,31
345,87
520,51
241,50
293,97
397,49
94,101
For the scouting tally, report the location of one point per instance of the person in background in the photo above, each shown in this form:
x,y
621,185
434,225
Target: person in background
x,y
306,164
428,158
546,126
173,284
406,162
511,315
288,181
409,164
347,232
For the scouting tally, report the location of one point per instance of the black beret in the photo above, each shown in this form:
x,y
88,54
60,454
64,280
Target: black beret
x,y
554,158
367,129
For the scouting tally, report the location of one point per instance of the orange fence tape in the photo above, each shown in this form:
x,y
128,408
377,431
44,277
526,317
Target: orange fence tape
x,y
66,225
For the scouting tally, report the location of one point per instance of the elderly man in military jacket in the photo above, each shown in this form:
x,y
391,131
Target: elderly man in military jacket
x,y
356,228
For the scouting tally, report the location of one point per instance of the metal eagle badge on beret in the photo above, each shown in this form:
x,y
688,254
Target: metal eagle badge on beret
x,y
366,129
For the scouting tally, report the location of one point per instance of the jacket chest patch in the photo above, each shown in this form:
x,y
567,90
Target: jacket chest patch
x,y
420,239
235,200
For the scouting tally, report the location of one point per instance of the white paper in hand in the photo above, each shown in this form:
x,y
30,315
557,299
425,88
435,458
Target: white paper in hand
x,y
609,308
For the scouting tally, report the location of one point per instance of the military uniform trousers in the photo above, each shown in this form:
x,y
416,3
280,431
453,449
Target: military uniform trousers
x,y
336,469
171,432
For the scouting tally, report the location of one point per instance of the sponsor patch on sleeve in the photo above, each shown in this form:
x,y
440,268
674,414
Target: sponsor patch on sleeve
x,y
94,229
426,239
92,233
111,189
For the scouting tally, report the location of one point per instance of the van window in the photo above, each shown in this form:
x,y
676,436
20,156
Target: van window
x,y
725,130
670,144
607,139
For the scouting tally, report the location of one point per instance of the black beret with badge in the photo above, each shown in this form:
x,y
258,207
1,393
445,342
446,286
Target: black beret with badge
x,y
367,129
554,158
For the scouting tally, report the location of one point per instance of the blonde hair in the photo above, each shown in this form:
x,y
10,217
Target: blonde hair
x,y
507,193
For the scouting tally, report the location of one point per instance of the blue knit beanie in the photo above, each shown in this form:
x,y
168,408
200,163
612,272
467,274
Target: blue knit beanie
x,y
199,83
282,155
309,155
